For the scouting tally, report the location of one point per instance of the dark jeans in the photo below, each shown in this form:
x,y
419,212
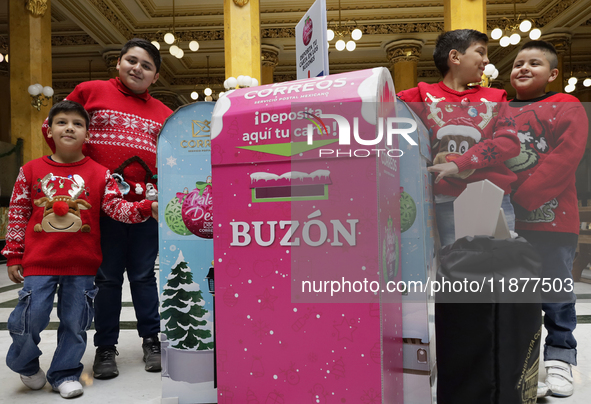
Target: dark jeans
x,y
131,247
560,319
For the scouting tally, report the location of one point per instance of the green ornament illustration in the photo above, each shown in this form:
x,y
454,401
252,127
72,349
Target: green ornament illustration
x,y
173,214
408,211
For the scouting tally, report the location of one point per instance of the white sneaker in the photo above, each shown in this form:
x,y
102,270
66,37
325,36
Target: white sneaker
x,y
559,378
543,390
69,389
35,382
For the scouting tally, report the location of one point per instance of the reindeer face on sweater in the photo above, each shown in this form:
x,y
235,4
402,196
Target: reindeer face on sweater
x,y
62,213
455,139
455,144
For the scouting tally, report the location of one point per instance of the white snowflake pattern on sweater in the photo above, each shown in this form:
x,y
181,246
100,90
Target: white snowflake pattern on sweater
x,y
115,128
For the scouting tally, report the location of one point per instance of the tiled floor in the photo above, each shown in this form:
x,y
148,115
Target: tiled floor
x,y
134,385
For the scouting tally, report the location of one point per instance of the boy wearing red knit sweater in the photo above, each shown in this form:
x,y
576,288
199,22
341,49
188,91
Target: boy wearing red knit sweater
x,y
124,124
53,239
552,128
472,133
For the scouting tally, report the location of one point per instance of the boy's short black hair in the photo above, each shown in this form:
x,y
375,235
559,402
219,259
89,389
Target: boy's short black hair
x,y
460,40
546,47
68,106
147,46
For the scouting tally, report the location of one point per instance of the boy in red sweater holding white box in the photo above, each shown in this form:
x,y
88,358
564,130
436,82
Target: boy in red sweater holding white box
x,y
472,133
53,239
552,128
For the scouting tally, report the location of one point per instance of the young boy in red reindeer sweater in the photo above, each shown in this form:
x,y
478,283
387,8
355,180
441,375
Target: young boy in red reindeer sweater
x,y
552,128
53,239
471,130
124,125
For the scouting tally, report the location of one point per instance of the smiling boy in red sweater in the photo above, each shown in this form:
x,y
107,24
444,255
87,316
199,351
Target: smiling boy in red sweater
x,y
53,239
125,121
552,128
471,121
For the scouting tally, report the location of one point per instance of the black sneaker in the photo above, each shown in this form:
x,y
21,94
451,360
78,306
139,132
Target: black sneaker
x,y
152,355
105,366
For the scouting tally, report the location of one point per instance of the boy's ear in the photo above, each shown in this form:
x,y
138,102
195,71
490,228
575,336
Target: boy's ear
x,y
553,75
454,56
118,63
87,137
49,134
156,77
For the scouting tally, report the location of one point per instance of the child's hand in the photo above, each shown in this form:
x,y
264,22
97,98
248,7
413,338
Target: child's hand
x,y
444,170
155,210
15,273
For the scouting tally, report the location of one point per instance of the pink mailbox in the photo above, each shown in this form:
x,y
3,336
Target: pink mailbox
x,y
306,239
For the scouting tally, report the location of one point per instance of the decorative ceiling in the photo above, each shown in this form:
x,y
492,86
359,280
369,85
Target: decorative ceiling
x,y
86,35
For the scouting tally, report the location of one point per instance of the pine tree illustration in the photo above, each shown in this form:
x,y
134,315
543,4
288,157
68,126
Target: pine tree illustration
x,y
182,308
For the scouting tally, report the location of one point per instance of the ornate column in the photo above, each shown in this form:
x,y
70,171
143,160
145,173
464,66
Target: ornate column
x,y
269,59
462,14
404,55
111,57
561,42
242,38
29,24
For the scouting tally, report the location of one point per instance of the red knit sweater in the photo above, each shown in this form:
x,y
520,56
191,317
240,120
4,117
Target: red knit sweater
x,y
56,208
123,130
553,134
436,104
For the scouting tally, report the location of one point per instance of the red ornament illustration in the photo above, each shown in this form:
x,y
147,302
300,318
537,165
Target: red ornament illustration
x,y
197,210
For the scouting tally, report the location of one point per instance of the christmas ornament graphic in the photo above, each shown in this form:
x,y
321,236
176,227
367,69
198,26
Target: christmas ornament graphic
x,y
197,210
173,214
408,211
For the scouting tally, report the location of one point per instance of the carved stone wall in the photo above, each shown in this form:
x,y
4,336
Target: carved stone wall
x,y
404,50
111,58
74,39
269,55
168,98
561,41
